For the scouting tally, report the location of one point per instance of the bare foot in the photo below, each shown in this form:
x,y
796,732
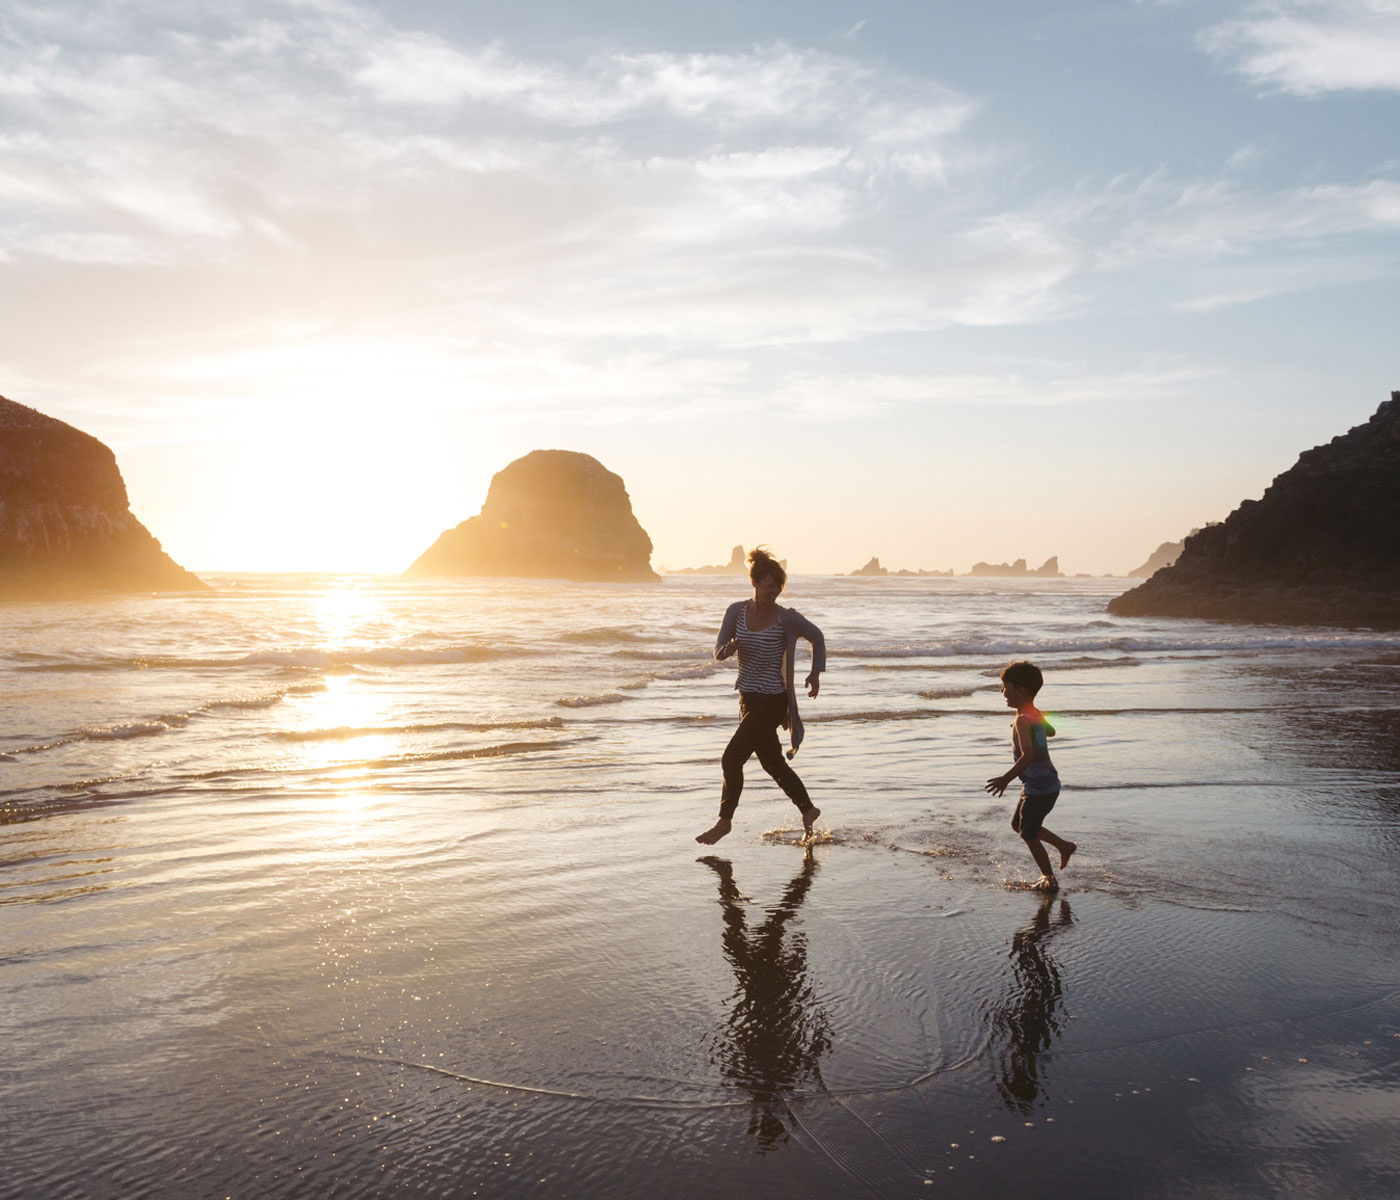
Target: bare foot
x,y
1068,849
711,836
1046,883
809,818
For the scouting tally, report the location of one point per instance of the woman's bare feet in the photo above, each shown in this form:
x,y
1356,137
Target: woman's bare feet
x,y
711,836
1065,851
1046,883
809,818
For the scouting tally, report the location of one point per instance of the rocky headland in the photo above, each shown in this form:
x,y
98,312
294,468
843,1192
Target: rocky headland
x,y
66,526
1165,554
1320,547
554,514
1049,569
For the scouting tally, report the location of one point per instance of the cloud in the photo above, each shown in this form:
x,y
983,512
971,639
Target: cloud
x,y
311,177
763,197
846,397
1310,47
1130,222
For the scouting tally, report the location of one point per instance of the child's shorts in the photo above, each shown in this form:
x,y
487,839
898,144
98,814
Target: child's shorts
x,y
1030,814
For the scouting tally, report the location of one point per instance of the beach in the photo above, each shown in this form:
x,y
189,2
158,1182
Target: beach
x,y
337,885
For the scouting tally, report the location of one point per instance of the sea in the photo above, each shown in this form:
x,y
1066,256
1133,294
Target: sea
x,y
356,886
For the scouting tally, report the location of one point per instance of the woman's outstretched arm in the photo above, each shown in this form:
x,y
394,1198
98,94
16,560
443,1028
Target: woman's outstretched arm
x,y
724,643
805,629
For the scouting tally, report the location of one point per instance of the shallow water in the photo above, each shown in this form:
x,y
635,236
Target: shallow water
x,y
357,887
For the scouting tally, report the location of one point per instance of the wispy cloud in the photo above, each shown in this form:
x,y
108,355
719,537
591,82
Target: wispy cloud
x,y
844,397
261,170
1314,46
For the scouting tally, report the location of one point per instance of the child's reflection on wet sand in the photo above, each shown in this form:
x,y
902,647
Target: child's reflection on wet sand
x,y
1025,1022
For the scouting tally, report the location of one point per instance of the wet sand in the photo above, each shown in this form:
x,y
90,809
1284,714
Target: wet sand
x,y
852,1019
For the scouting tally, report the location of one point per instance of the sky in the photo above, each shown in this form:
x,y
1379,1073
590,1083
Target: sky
x,y
935,282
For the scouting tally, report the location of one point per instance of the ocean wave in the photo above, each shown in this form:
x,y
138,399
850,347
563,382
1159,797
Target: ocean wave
x,y
132,729
1085,663
346,732
165,723
698,671
503,750
667,655
951,693
1233,643
387,763
589,701
1175,783
869,715
305,659
603,635
1165,710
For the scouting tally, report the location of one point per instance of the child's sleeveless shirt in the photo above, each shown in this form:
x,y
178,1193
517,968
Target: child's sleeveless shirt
x,y
1040,778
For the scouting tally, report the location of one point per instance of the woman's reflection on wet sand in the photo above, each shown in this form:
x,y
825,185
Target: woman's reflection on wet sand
x,y
776,1035
1025,1023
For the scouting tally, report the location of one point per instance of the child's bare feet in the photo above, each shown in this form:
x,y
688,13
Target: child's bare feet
x,y
809,818
1046,883
711,836
1065,851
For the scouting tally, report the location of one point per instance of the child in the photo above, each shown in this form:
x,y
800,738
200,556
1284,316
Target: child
x,y
1040,782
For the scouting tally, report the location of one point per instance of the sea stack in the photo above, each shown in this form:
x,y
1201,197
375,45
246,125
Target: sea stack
x,y
1320,547
1049,569
737,565
66,527
872,568
553,514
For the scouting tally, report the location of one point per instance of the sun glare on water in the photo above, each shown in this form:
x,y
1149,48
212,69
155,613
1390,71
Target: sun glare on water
x,y
340,731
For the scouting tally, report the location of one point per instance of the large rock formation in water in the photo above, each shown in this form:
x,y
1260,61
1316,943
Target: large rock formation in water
x,y
553,514
65,525
1049,569
1321,547
872,568
737,565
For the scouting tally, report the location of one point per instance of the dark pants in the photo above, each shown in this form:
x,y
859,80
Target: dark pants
x,y
760,715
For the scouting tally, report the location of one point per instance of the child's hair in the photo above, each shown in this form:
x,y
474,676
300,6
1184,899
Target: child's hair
x,y
1024,674
762,565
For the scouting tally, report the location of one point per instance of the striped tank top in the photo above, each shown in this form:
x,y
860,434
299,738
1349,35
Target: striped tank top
x,y
760,656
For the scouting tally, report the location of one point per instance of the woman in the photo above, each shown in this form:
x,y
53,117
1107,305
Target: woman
x,y
764,636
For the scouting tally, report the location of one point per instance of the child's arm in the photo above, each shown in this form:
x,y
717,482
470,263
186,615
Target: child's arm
x,y
999,783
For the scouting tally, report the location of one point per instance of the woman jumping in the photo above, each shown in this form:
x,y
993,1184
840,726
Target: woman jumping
x,y
764,636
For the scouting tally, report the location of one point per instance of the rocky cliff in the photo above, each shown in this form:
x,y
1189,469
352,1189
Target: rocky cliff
x,y
65,525
1165,554
553,514
1321,546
